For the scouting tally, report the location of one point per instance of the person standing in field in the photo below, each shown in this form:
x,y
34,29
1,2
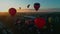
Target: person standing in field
x,y
4,29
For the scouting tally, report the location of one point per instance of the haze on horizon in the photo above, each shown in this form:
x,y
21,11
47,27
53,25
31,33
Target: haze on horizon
x,y
45,4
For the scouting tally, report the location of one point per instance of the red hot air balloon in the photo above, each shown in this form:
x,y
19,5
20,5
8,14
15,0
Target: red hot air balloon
x,y
12,11
36,6
40,22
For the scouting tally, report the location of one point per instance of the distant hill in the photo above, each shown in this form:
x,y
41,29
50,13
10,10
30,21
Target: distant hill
x,y
40,10
3,13
27,11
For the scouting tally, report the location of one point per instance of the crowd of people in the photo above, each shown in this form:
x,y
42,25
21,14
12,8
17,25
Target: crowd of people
x,y
22,26
26,27
4,29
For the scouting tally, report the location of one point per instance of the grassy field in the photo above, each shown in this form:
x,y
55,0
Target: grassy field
x,y
9,21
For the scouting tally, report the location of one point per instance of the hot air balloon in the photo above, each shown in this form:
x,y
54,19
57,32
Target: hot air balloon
x,y
50,19
19,7
36,6
40,22
28,6
12,11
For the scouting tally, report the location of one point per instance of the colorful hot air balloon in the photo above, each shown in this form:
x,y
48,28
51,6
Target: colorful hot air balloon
x,y
12,11
40,22
36,6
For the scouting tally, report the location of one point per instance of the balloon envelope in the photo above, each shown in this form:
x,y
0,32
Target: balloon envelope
x,y
28,6
40,22
12,11
36,6
19,7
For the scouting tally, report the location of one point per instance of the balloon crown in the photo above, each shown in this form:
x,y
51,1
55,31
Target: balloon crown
x,y
36,3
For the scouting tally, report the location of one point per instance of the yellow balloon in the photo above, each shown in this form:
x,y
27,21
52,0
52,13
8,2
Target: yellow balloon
x,y
50,19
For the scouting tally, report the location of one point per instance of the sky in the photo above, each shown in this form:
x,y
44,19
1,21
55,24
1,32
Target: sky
x,y
45,4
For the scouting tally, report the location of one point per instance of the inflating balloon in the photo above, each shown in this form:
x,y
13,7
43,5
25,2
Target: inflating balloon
x,y
12,11
36,6
40,22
